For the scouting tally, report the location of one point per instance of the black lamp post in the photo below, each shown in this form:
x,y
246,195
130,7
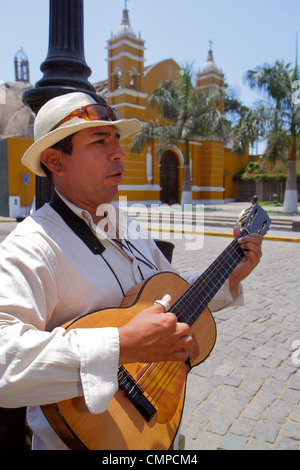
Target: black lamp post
x,y
64,70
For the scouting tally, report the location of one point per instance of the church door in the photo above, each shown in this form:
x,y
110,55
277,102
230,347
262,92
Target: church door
x,y
169,178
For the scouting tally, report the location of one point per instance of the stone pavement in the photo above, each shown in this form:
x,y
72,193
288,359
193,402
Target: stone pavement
x,y
216,219
246,394
6,227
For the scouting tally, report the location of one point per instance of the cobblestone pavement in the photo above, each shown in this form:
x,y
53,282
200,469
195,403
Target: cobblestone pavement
x,y
6,228
246,394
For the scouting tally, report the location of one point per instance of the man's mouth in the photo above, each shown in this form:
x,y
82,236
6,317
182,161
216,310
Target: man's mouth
x,y
117,175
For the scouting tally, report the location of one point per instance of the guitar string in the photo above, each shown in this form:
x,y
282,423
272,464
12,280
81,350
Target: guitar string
x,y
171,371
151,365
156,367
193,291
162,382
180,364
236,249
191,316
209,273
174,373
148,367
225,256
160,365
159,387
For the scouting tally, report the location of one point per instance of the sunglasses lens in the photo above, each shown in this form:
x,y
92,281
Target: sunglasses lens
x,y
92,112
101,112
115,115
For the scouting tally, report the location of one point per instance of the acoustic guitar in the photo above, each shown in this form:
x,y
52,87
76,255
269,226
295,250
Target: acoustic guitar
x,y
145,412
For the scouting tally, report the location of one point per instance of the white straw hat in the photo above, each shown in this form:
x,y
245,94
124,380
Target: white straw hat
x,y
52,113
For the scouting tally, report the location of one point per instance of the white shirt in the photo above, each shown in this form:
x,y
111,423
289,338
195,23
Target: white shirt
x,y
48,277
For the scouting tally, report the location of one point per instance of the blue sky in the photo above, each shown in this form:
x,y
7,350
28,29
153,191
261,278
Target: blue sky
x,y
245,33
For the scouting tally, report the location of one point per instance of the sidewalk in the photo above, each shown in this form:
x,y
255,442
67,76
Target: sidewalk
x,y
216,220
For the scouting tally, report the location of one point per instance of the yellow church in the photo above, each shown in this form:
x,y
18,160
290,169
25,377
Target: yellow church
x,y
149,177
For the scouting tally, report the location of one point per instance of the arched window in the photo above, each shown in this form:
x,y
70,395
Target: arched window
x,y
117,79
133,73
21,66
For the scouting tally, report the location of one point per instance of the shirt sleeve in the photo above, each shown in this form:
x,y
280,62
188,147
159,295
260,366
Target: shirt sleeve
x,y
37,366
98,372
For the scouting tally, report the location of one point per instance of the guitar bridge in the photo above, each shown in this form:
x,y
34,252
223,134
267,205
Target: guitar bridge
x,y
135,394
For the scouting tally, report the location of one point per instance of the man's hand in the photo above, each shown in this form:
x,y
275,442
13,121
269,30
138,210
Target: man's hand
x,y
252,245
154,336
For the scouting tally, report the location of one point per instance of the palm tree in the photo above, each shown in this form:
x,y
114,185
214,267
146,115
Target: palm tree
x,y
184,114
277,121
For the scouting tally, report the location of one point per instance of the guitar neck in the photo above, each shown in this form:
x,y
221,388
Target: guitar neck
x,y
197,297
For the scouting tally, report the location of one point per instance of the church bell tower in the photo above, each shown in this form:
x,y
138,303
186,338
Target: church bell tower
x,y
211,77
126,70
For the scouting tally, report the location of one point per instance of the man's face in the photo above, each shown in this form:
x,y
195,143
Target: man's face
x,y
92,173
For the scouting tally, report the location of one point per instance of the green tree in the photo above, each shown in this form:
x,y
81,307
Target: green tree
x,y
276,120
184,113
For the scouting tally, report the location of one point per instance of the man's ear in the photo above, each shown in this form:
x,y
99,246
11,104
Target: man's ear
x,y
51,158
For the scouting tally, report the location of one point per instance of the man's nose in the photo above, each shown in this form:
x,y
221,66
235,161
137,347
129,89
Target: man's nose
x,y
117,151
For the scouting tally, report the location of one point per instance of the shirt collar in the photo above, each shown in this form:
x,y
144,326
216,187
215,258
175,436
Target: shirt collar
x,y
86,216
82,213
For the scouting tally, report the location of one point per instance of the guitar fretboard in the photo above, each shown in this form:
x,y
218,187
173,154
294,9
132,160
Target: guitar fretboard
x,y
190,305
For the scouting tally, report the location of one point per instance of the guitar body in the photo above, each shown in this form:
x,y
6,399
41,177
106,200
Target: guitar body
x,y
122,426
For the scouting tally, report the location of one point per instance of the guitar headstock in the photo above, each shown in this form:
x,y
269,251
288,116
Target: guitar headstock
x,y
255,220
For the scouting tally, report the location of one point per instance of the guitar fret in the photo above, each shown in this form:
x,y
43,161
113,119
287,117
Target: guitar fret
x,y
208,284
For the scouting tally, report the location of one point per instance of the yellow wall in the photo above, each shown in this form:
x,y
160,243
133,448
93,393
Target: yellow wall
x,y
164,70
212,166
16,170
232,165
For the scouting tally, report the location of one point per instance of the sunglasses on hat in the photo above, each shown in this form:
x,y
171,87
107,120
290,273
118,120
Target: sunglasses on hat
x,y
91,112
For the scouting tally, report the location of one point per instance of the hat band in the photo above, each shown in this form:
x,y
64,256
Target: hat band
x,y
91,112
